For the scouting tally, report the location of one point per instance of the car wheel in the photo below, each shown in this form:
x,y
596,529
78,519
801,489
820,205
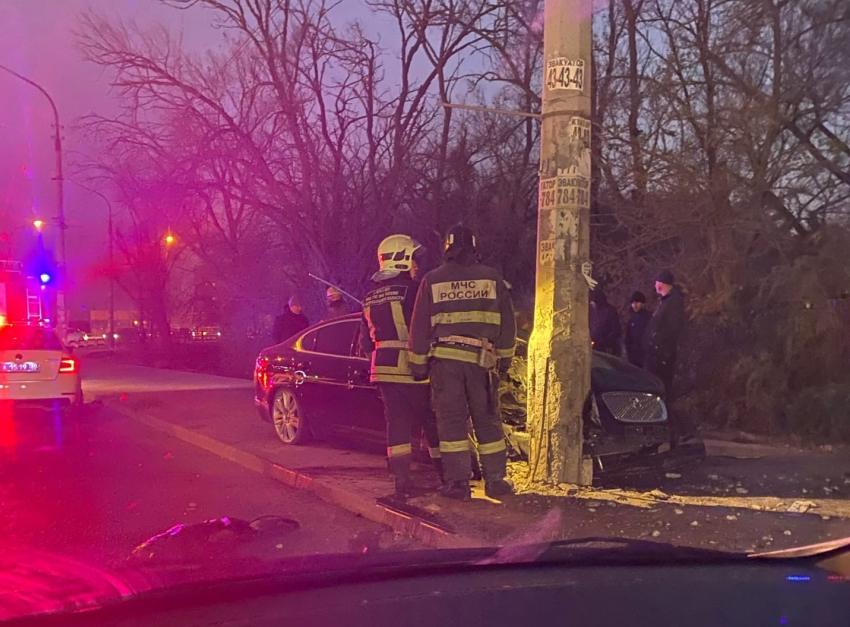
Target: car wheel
x,y
288,417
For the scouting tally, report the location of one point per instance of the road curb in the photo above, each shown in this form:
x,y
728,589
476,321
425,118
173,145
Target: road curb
x,y
412,526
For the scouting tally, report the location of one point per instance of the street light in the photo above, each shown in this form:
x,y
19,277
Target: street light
x,y
169,239
60,200
38,224
112,334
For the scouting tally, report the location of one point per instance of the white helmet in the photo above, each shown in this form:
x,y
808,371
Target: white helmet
x,y
395,255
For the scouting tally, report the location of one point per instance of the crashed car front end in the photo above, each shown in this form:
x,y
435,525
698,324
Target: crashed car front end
x,y
626,421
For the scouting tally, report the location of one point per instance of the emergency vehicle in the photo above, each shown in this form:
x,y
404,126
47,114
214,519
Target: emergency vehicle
x,y
21,297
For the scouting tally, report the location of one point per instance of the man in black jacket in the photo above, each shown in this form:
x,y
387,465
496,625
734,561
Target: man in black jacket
x,y
664,331
290,322
636,328
604,324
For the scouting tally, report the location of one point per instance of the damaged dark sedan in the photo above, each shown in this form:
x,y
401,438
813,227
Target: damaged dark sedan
x,y
316,384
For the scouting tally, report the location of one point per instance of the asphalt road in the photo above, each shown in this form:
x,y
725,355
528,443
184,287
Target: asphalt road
x,y
95,487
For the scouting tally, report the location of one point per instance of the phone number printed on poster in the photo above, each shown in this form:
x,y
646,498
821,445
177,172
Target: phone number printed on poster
x,y
564,192
563,73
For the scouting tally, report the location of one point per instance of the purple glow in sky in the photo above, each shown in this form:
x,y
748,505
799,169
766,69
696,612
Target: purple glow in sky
x,y
37,40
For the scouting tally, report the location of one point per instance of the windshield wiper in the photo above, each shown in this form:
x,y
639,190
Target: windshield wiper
x,y
595,548
809,550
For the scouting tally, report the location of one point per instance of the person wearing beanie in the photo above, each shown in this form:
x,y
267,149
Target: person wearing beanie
x,y
661,340
290,322
604,324
636,328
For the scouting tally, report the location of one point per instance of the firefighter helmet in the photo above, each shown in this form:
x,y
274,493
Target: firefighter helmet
x,y
460,237
395,255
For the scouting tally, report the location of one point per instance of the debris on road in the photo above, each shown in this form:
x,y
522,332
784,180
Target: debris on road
x,y
673,475
731,517
653,498
212,539
787,532
656,533
678,512
694,523
801,507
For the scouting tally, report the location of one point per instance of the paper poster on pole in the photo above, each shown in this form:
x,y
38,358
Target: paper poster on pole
x,y
563,73
546,254
564,192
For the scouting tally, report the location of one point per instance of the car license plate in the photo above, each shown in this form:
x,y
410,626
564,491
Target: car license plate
x,y
640,433
21,366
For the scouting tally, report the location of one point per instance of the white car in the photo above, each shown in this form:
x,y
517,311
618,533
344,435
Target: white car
x,y
75,338
37,370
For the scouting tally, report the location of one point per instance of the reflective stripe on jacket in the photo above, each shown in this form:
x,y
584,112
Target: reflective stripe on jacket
x,y
384,329
462,300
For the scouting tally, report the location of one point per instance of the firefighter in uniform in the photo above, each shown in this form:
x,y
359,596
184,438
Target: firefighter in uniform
x,y
463,334
386,319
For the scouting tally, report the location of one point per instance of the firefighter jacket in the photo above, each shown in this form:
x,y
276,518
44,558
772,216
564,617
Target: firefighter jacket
x,y
384,328
461,301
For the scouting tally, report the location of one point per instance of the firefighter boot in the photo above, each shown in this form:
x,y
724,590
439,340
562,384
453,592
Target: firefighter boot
x,y
497,488
457,490
403,487
400,471
438,466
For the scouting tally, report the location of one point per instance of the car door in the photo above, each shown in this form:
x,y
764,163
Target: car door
x,y
367,407
324,356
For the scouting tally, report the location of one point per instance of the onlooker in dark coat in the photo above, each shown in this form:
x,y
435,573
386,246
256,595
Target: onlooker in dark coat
x,y
664,330
635,329
290,322
337,307
604,324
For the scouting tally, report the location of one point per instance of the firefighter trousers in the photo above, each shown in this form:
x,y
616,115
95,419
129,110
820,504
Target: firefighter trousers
x,y
407,409
460,390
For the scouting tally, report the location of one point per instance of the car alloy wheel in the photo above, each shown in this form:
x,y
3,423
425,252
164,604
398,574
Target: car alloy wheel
x,y
288,417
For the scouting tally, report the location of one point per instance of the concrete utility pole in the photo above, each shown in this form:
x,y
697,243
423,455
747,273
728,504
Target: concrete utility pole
x,y
560,351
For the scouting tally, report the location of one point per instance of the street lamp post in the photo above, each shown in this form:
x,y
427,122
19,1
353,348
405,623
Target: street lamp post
x,y
60,198
111,339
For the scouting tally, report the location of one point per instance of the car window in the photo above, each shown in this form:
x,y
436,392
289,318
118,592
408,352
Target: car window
x,y
308,342
29,338
335,339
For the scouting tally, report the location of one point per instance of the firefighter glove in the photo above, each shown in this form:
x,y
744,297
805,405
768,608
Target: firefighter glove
x,y
419,372
504,365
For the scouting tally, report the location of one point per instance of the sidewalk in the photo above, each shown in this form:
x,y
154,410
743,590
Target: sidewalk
x,y
734,504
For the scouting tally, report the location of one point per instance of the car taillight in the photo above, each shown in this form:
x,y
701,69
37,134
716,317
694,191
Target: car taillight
x,y
264,371
68,364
